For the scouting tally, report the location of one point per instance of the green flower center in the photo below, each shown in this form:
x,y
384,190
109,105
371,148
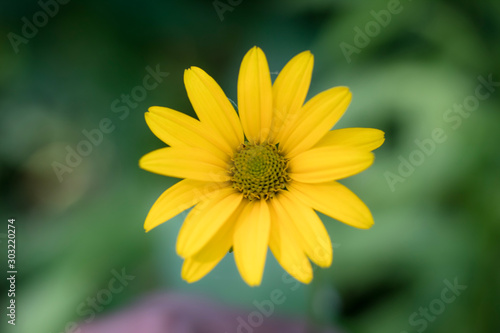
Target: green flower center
x,y
259,171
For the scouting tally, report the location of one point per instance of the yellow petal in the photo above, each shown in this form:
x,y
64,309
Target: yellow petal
x,y
334,200
255,100
312,234
328,163
289,93
193,270
317,117
179,130
178,198
191,163
251,237
360,138
213,107
286,247
200,264
205,220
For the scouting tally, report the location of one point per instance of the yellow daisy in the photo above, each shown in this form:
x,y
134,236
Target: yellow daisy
x,y
256,177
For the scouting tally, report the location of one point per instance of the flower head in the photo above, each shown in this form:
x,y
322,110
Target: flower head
x,y
256,177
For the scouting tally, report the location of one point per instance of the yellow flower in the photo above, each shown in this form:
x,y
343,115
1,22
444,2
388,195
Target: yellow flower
x,y
256,177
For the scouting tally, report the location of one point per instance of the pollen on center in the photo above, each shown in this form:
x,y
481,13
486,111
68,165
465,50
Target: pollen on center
x,y
259,171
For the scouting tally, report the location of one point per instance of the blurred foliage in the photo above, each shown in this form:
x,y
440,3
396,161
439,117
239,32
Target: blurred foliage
x,y
441,223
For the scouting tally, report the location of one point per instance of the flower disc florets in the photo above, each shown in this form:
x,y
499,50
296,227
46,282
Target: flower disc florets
x,y
259,171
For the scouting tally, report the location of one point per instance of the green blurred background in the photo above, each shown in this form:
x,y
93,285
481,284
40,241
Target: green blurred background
x,y
438,222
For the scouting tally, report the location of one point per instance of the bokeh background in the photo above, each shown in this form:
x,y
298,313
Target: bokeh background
x,y
411,76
